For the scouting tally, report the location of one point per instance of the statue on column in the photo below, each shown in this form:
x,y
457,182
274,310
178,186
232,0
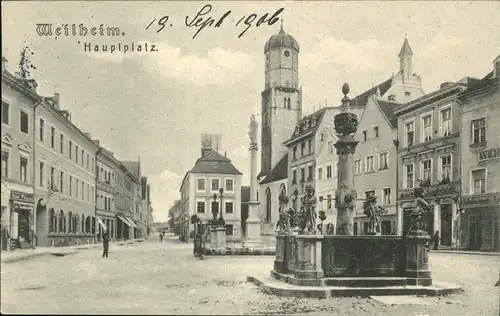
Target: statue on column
x,y
308,216
252,129
373,211
420,208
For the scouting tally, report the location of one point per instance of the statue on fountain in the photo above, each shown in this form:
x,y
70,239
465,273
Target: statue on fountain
x,y
420,208
308,216
283,224
373,211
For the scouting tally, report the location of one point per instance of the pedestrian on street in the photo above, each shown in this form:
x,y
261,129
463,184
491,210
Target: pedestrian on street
x,y
436,240
161,237
105,243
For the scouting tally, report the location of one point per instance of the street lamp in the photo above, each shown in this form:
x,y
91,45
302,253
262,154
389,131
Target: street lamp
x,y
214,212
221,219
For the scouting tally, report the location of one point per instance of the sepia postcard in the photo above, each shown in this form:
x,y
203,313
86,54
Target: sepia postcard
x,y
250,158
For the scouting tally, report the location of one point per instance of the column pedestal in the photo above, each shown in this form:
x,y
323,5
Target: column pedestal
x,y
218,238
253,236
417,260
309,257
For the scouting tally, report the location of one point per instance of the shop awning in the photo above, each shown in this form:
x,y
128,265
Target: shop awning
x,y
130,222
140,225
123,219
99,220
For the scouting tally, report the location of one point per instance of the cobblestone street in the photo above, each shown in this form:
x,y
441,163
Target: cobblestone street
x,y
164,278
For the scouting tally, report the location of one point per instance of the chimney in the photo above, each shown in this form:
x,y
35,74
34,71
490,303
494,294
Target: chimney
x,y
17,74
205,151
88,135
98,143
56,100
32,84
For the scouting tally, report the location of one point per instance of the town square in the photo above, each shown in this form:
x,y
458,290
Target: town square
x,y
273,160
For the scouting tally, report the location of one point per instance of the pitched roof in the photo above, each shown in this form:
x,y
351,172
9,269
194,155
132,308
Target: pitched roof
x,y
214,162
279,172
362,99
405,49
474,85
308,124
133,167
245,194
387,109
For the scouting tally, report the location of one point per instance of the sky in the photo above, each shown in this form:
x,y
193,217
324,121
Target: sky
x,y
157,104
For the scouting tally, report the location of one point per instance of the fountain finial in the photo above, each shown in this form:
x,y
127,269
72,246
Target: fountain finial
x,y
345,89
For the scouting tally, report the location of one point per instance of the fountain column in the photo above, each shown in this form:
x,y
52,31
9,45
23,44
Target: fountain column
x,y
253,236
346,124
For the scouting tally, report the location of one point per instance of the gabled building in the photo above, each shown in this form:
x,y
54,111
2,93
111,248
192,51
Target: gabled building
x,y
212,173
375,163
311,160
480,163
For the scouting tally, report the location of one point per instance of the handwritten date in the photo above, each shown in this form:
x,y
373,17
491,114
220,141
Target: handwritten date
x,y
203,20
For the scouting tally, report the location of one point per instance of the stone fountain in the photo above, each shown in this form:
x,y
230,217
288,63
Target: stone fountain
x,y
309,264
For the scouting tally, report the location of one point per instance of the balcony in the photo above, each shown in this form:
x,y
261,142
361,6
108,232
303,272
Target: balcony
x,y
439,190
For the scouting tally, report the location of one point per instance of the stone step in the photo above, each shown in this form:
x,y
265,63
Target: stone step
x,y
278,288
366,281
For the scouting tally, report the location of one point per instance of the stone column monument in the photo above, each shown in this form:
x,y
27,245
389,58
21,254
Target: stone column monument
x,y
253,237
346,124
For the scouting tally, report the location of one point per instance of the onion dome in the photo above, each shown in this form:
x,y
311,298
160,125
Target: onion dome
x,y
281,39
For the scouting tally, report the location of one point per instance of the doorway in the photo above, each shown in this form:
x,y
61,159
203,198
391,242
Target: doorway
x,y
23,227
446,219
474,232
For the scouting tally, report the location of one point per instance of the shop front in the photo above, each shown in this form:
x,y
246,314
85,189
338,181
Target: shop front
x,y
106,220
481,222
21,220
125,227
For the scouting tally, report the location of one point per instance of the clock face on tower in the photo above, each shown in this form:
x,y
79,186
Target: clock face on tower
x,y
286,53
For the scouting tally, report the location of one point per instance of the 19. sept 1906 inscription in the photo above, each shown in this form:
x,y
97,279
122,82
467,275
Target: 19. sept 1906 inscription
x,y
202,19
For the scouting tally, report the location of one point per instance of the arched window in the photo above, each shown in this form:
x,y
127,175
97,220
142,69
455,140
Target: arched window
x,y
268,205
52,221
83,223
87,224
62,222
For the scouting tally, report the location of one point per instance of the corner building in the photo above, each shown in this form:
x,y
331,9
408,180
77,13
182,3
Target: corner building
x,y
480,164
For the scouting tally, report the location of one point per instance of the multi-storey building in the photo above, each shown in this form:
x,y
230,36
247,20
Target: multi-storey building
x,y
138,217
480,163
429,157
125,203
375,167
107,166
375,163
19,98
201,190
312,160
62,170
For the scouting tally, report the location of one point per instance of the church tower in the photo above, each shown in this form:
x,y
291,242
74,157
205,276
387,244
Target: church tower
x,y
405,60
281,98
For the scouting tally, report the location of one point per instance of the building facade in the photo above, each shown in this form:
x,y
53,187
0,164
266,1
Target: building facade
x,y
19,99
375,163
201,194
429,158
107,166
126,190
480,164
